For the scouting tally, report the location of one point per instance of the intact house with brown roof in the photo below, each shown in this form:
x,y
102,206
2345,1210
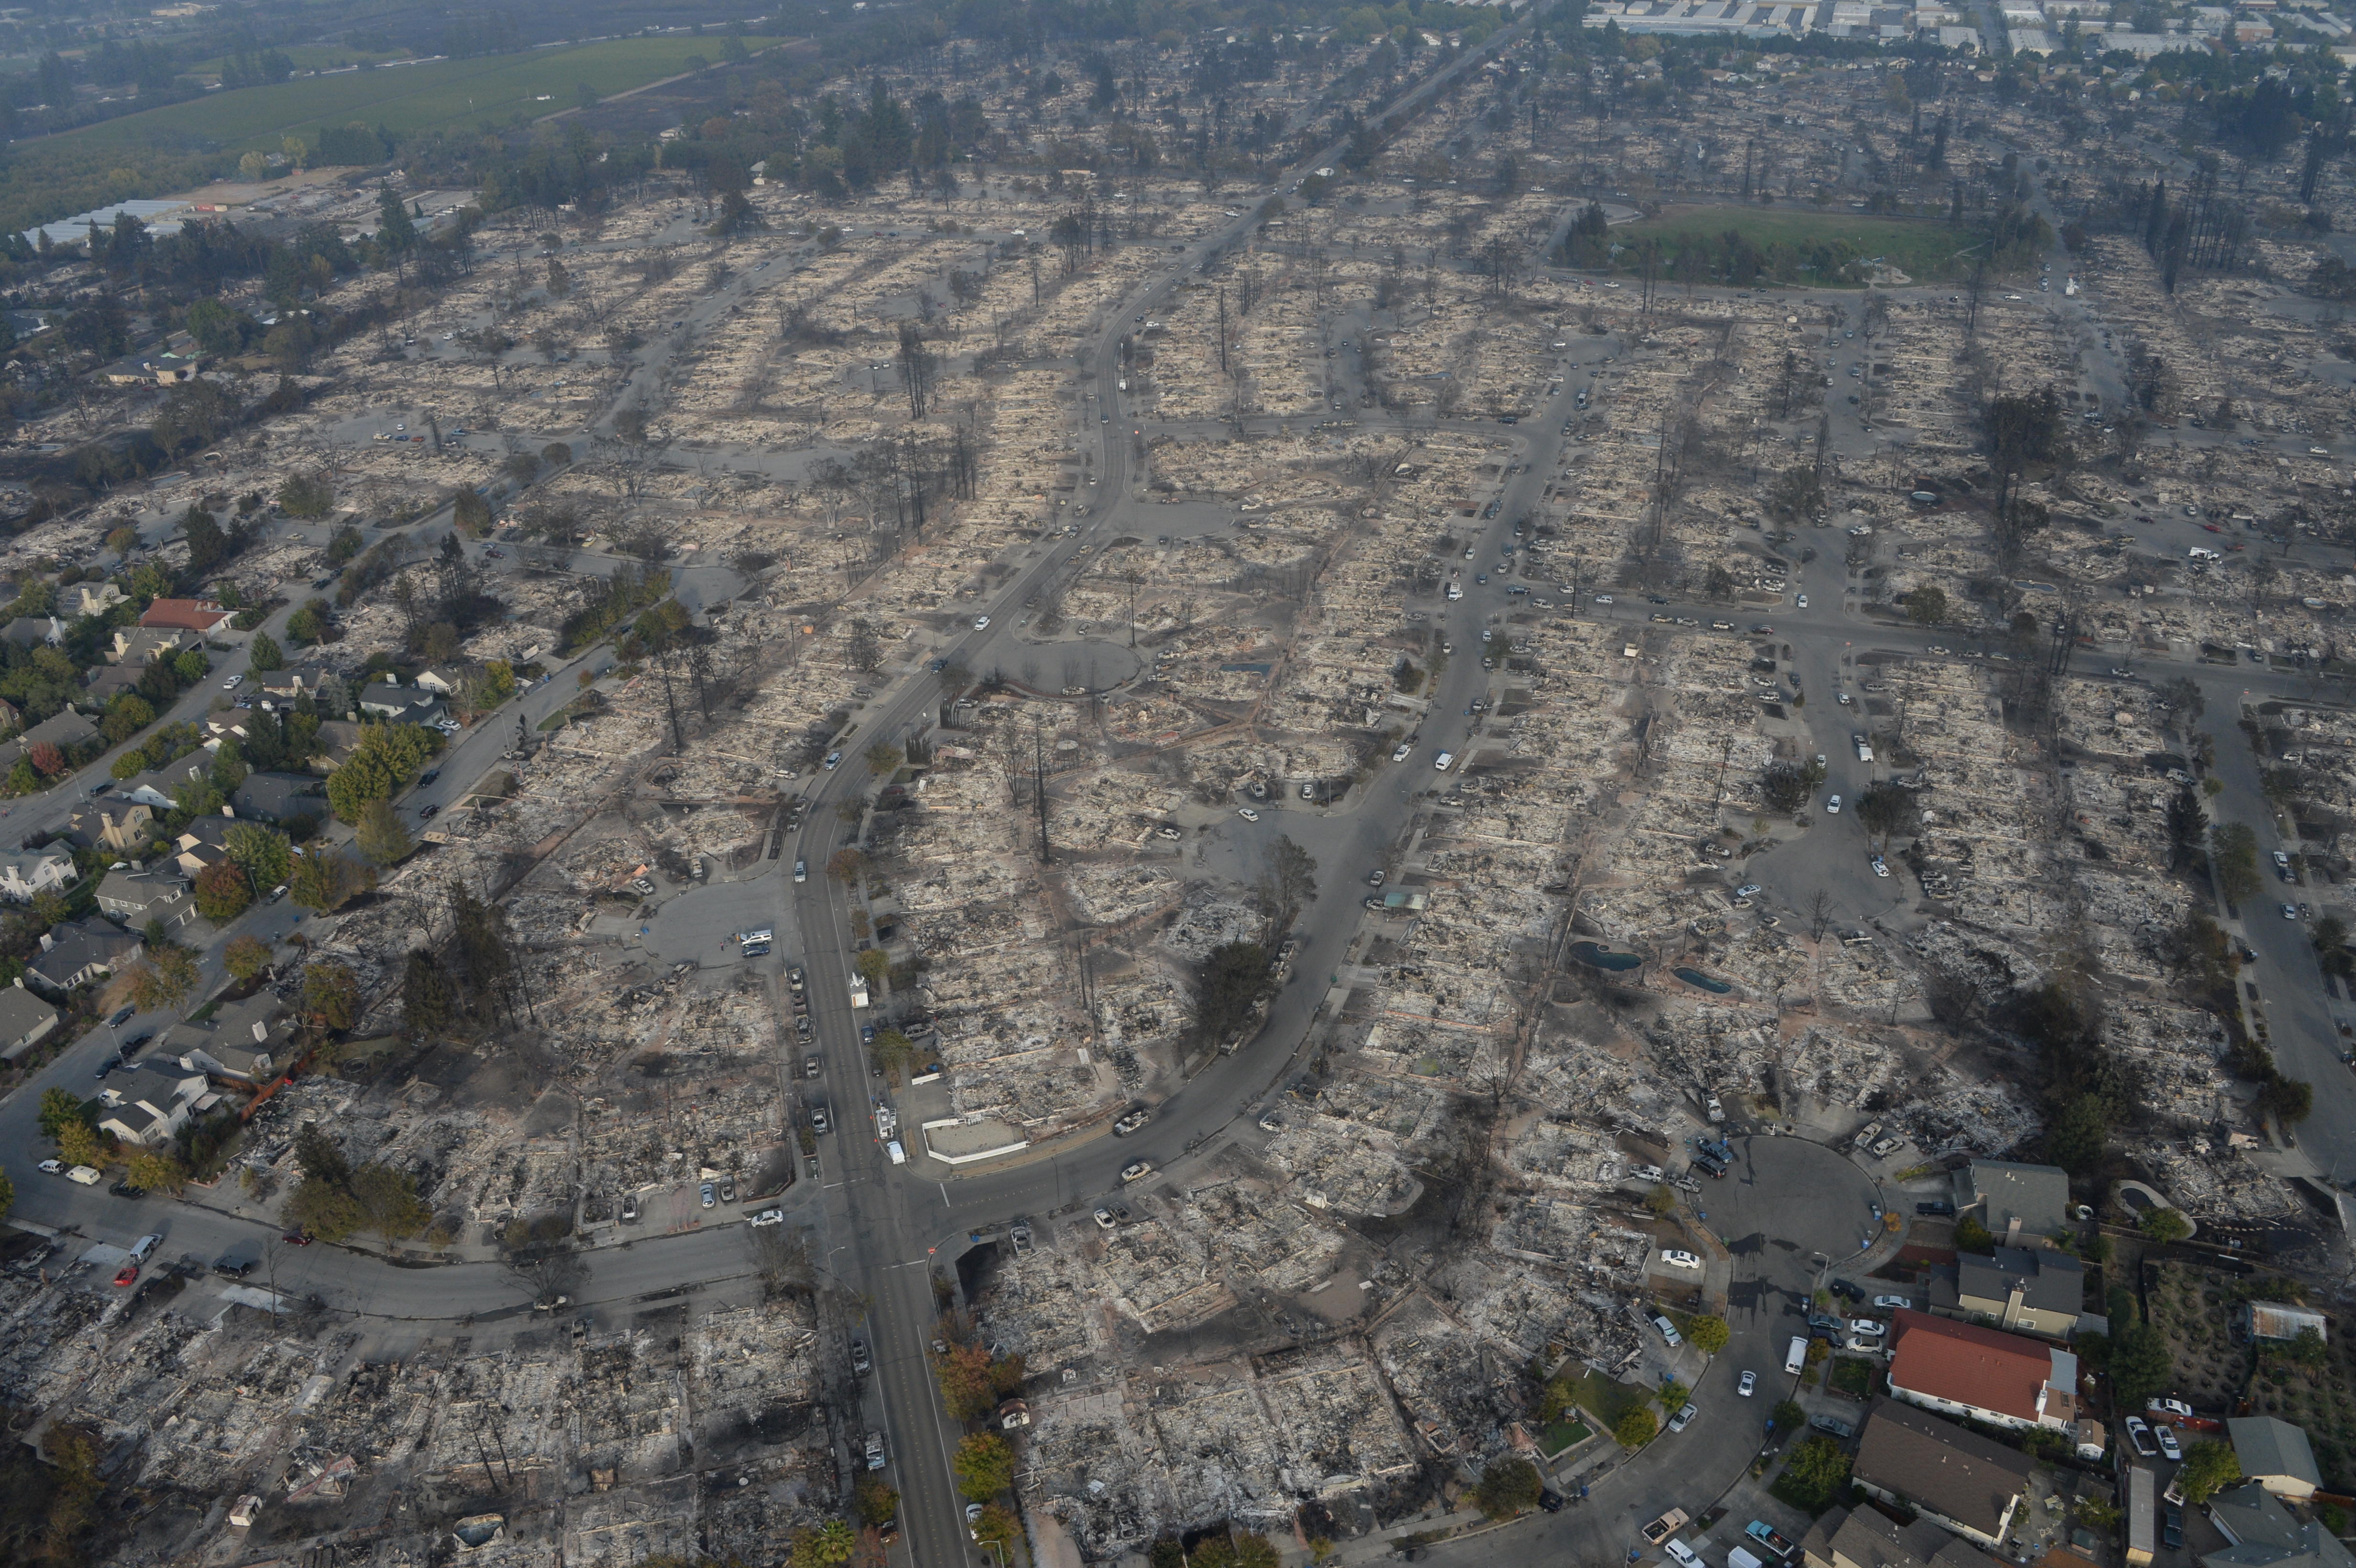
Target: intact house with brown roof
x,y
1962,1368
202,617
1914,1459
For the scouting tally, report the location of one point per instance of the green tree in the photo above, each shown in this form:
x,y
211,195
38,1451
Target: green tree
x,y
2292,1100
1508,1487
384,759
2234,855
997,1527
123,542
873,965
2074,1141
1788,1415
1707,1335
875,1502
222,892
1637,1428
331,995
1673,1395
245,957
262,853
306,495
891,1052
2208,1467
381,835
151,1171
1662,1200
60,1108
1926,605
326,879
427,1004
2140,1366
983,1465
165,980
1814,1475
265,654
1971,1236
1255,1550
79,1143
883,760
2164,1225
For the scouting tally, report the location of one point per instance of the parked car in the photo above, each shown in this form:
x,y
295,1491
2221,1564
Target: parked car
x,y
1684,1418
709,1196
1104,1218
1675,1258
2169,1444
1892,1303
1136,1170
1748,1386
1867,1329
768,1217
1934,1206
2140,1436
859,1357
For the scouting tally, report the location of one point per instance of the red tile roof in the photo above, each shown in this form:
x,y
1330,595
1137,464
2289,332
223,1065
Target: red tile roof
x,y
1981,1368
188,615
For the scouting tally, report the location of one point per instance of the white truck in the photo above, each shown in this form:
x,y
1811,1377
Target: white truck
x,y
1864,747
858,991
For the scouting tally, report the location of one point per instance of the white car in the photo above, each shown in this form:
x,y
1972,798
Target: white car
x,y
1443,761
233,682
1679,1259
1748,1386
2140,1436
1104,1219
1403,752
1247,814
1802,601
1867,1329
1892,1302
1879,870
981,622
1832,807
802,870
2167,1443
1678,1423
1604,598
768,1217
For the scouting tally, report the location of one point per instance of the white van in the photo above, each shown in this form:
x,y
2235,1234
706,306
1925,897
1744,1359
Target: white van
x,y
1445,761
899,1156
142,1246
1797,1357
1682,1554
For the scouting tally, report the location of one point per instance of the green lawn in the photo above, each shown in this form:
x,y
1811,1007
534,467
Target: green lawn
x,y
1806,247
1853,1376
1562,1435
449,95
1607,1399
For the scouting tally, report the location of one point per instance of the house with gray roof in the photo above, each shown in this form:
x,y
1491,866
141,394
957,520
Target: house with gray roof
x,y
150,1102
2262,1533
80,952
156,788
65,730
244,1043
276,797
31,871
2021,1205
1942,1471
135,897
25,1020
2276,1455
2037,1290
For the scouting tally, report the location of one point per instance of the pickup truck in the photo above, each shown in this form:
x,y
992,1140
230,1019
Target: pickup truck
x,y
1661,1528
1765,1534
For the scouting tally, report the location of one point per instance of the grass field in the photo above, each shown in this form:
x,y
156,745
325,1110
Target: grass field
x,y
306,57
446,95
1810,248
